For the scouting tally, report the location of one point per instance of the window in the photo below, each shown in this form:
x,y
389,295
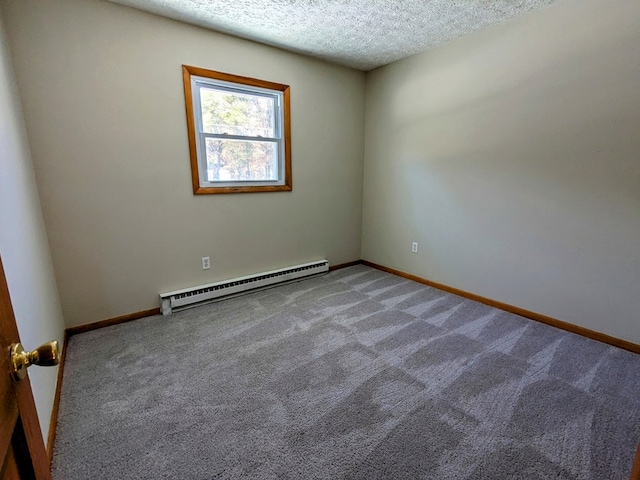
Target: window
x,y
239,133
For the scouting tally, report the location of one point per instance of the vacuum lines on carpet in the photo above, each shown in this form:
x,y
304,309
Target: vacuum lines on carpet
x,y
358,374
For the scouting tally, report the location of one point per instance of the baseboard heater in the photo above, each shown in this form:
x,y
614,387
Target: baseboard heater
x,y
192,297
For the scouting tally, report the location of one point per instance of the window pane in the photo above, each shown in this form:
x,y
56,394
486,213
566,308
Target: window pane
x,y
240,160
236,113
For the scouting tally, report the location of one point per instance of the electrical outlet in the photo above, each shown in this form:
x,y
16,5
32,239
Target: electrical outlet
x,y
414,247
206,264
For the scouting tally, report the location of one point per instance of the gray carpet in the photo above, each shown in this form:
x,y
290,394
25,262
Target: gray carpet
x,y
358,374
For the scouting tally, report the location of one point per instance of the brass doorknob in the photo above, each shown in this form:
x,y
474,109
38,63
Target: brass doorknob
x,y
46,355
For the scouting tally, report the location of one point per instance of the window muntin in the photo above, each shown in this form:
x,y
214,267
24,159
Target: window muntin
x,y
238,133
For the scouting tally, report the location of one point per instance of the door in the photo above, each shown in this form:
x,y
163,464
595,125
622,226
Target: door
x,y
22,451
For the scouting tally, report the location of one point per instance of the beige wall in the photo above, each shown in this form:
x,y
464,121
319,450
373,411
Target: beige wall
x,y
510,155
513,157
104,107
23,241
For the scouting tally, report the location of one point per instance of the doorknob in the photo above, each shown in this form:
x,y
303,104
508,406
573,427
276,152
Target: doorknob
x,y
46,355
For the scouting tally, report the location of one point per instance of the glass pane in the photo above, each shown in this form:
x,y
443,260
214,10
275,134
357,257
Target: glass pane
x,y
237,113
241,161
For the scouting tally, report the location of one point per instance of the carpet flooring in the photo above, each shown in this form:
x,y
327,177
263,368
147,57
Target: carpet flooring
x,y
358,374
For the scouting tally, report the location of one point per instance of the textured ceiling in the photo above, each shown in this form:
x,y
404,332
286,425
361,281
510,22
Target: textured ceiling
x,y
362,34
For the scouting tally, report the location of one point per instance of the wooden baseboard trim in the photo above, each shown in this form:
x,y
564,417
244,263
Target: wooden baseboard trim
x,y
569,327
344,265
635,470
71,331
53,423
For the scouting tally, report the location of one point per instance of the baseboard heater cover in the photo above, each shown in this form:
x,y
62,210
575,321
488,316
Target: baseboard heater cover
x,y
194,296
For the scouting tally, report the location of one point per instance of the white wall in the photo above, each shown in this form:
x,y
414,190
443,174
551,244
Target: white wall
x,y
104,107
513,157
23,241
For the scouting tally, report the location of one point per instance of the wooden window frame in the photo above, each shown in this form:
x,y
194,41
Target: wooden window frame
x,y
187,73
